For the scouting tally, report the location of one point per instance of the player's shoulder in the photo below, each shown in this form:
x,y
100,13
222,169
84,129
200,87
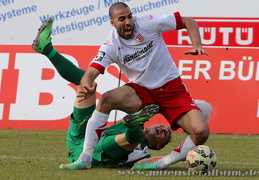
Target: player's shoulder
x,y
110,42
111,38
143,22
143,19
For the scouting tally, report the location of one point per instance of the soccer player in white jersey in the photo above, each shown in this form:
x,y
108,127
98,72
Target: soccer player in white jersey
x,y
137,46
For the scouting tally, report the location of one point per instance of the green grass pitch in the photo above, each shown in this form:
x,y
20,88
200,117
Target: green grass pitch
x,y
37,154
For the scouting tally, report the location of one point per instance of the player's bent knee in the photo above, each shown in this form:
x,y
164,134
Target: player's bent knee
x,y
112,100
108,98
201,135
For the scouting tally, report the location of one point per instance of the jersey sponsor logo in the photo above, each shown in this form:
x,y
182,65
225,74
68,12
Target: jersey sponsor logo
x,y
99,56
140,38
138,55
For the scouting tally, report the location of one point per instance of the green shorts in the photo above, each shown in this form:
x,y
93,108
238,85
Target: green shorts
x,y
76,132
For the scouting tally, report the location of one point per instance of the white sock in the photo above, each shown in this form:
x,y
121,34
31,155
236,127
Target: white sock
x,y
95,126
87,158
178,154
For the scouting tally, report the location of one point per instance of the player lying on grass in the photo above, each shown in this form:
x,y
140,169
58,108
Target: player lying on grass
x,y
121,144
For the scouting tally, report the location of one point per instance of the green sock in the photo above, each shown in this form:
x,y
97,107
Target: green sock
x,y
65,68
79,119
134,134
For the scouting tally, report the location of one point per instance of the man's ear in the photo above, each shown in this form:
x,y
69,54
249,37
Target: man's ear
x,y
112,22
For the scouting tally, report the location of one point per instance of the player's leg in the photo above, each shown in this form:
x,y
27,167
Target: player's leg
x,y
82,111
123,98
187,116
195,125
76,132
65,68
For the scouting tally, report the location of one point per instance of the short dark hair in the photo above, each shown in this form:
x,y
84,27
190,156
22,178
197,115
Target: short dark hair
x,y
115,6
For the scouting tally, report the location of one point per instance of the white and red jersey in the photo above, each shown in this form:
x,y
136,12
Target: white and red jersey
x,y
144,59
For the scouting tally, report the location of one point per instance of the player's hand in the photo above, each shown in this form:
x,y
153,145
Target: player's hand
x,y
88,92
196,51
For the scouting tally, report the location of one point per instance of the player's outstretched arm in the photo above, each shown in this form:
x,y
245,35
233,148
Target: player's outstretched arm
x,y
193,31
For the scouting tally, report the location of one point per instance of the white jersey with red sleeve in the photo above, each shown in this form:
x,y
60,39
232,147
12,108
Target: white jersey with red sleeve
x,y
144,59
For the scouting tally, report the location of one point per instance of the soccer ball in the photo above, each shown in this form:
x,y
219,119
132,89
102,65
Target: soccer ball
x,y
201,158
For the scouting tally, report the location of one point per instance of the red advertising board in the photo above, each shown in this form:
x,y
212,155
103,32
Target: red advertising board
x,y
227,78
237,32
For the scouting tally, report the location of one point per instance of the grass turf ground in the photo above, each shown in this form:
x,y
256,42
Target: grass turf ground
x,y
36,154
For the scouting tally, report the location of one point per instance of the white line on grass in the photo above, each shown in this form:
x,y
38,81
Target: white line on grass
x,y
249,164
27,158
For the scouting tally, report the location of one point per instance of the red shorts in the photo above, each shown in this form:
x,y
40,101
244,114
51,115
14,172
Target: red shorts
x,y
173,99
